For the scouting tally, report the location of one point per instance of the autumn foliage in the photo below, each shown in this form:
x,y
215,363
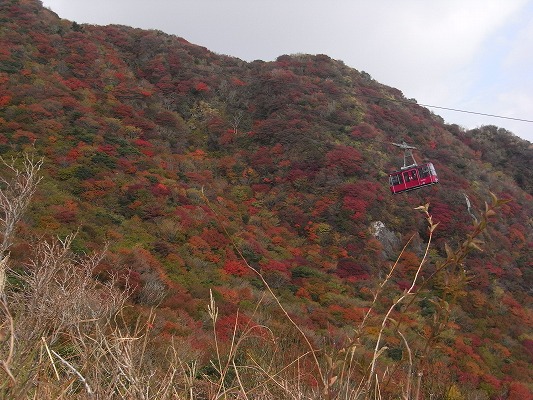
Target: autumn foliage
x,y
210,180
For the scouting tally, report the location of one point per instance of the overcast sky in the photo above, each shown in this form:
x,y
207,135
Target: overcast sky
x,y
472,55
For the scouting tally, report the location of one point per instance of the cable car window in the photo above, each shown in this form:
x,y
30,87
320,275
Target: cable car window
x,y
424,171
396,179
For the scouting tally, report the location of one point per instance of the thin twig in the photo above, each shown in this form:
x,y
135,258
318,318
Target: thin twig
x,y
75,371
7,362
51,358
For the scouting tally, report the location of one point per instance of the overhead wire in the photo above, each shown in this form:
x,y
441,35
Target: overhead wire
x,y
477,113
450,109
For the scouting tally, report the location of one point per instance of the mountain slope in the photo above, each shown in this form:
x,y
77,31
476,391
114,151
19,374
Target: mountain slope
x,y
188,163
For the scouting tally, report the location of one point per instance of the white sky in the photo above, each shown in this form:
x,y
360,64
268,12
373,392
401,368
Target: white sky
x,y
473,55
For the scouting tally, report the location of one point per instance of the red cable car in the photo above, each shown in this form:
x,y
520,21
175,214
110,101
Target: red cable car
x,y
411,177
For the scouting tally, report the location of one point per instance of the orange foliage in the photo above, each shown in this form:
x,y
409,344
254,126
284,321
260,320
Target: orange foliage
x,y
67,212
140,132
519,391
303,292
4,100
354,314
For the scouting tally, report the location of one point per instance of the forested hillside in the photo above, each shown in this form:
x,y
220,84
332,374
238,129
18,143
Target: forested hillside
x,y
244,220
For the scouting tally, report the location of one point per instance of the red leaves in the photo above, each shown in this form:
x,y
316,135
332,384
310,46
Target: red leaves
x,y
201,87
519,391
4,100
214,238
160,190
229,325
357,206
349,268
66,213
142,143
237,268
75,84
364,131
108,149
237,82
124,110
275,265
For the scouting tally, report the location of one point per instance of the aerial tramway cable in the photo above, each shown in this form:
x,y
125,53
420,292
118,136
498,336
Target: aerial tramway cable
x,y
447,108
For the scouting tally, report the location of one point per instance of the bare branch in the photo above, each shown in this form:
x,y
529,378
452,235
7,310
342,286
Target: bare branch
x,y
16,191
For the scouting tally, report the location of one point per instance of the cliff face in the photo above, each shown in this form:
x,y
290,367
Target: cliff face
x,y
191,165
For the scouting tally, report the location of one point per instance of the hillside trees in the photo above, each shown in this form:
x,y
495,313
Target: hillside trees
x,y
58,326
138,127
